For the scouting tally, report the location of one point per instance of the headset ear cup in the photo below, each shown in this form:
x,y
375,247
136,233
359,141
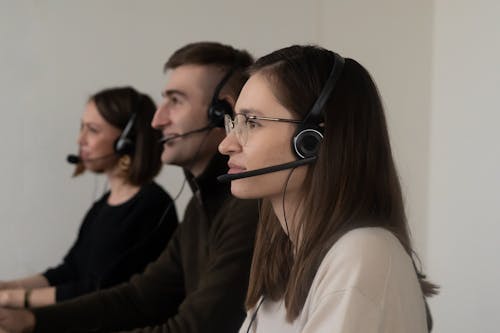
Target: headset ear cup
x,y
306,142
217,110
124,146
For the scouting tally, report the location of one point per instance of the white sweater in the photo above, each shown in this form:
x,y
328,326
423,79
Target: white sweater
x,y
365,284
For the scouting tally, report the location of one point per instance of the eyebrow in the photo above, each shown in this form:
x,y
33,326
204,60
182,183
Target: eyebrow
x,y
171,92
251,112
89,123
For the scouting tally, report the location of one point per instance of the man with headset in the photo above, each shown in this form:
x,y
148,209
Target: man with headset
x,y
199,282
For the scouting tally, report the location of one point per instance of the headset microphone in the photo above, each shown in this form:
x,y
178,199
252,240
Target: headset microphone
x,y
73,159
274,168
177,136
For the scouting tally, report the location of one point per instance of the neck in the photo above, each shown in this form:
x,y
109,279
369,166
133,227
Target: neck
x,y
210,148
200,165
203,157
120,190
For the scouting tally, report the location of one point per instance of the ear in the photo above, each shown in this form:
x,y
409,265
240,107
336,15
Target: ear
x,y
229,98
217,134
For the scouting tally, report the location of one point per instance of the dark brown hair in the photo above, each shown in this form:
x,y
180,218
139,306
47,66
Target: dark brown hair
x,y
116,106
353,183
218,55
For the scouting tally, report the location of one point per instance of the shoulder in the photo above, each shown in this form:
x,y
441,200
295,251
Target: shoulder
x,y
239,211
154,193
243,206
365,249
363,259
153,188
236,219
148,205
366,243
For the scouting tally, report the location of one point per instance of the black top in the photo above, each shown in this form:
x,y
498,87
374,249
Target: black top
x,y
198,284
114,242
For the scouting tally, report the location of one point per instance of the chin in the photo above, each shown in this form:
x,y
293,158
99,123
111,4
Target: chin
x,y
244,191
165,160
96,170
173,155
167,157
94,167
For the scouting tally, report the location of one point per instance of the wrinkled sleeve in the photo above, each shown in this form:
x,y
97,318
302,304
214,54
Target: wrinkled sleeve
x,y
156,300
125,306
218,303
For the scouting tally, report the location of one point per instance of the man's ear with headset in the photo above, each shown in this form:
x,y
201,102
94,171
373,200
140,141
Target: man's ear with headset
x,y
222,102
224,105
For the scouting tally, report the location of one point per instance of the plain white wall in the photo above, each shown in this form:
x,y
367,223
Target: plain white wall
x,y
464,222
54,54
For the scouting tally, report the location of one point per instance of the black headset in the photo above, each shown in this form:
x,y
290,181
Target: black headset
x,y
124,144
306,140
220,107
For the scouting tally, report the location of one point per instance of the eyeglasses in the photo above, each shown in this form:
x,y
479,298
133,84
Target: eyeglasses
x,y
243,123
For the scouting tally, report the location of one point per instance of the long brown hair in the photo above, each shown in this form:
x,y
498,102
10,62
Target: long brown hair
x,y
353,183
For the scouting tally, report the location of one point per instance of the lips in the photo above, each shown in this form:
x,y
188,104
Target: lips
x,y
168,138
235,168
169,135
84,155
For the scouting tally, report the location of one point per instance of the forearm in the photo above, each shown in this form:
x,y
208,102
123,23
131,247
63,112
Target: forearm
x,y
42,297
20,298
113,309
30,282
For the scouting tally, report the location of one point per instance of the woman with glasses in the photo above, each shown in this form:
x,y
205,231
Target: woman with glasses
x,y
129,225
333,251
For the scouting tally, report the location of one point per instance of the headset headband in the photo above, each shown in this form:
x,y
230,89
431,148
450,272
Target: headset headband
x,y
221,84
314,116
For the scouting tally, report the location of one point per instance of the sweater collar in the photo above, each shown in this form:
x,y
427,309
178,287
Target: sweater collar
x,y
207,182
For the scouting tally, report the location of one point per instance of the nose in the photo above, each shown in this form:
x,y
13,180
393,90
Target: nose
x,y
230,145
161,117
81,137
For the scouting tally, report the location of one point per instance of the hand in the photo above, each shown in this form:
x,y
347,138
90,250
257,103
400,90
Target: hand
x,y
12,298
16,321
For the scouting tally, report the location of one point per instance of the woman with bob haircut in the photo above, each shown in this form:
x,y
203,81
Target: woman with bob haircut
x,y
333,250
129,225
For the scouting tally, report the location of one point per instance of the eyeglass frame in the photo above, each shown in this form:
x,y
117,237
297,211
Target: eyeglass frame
x,y
230,124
